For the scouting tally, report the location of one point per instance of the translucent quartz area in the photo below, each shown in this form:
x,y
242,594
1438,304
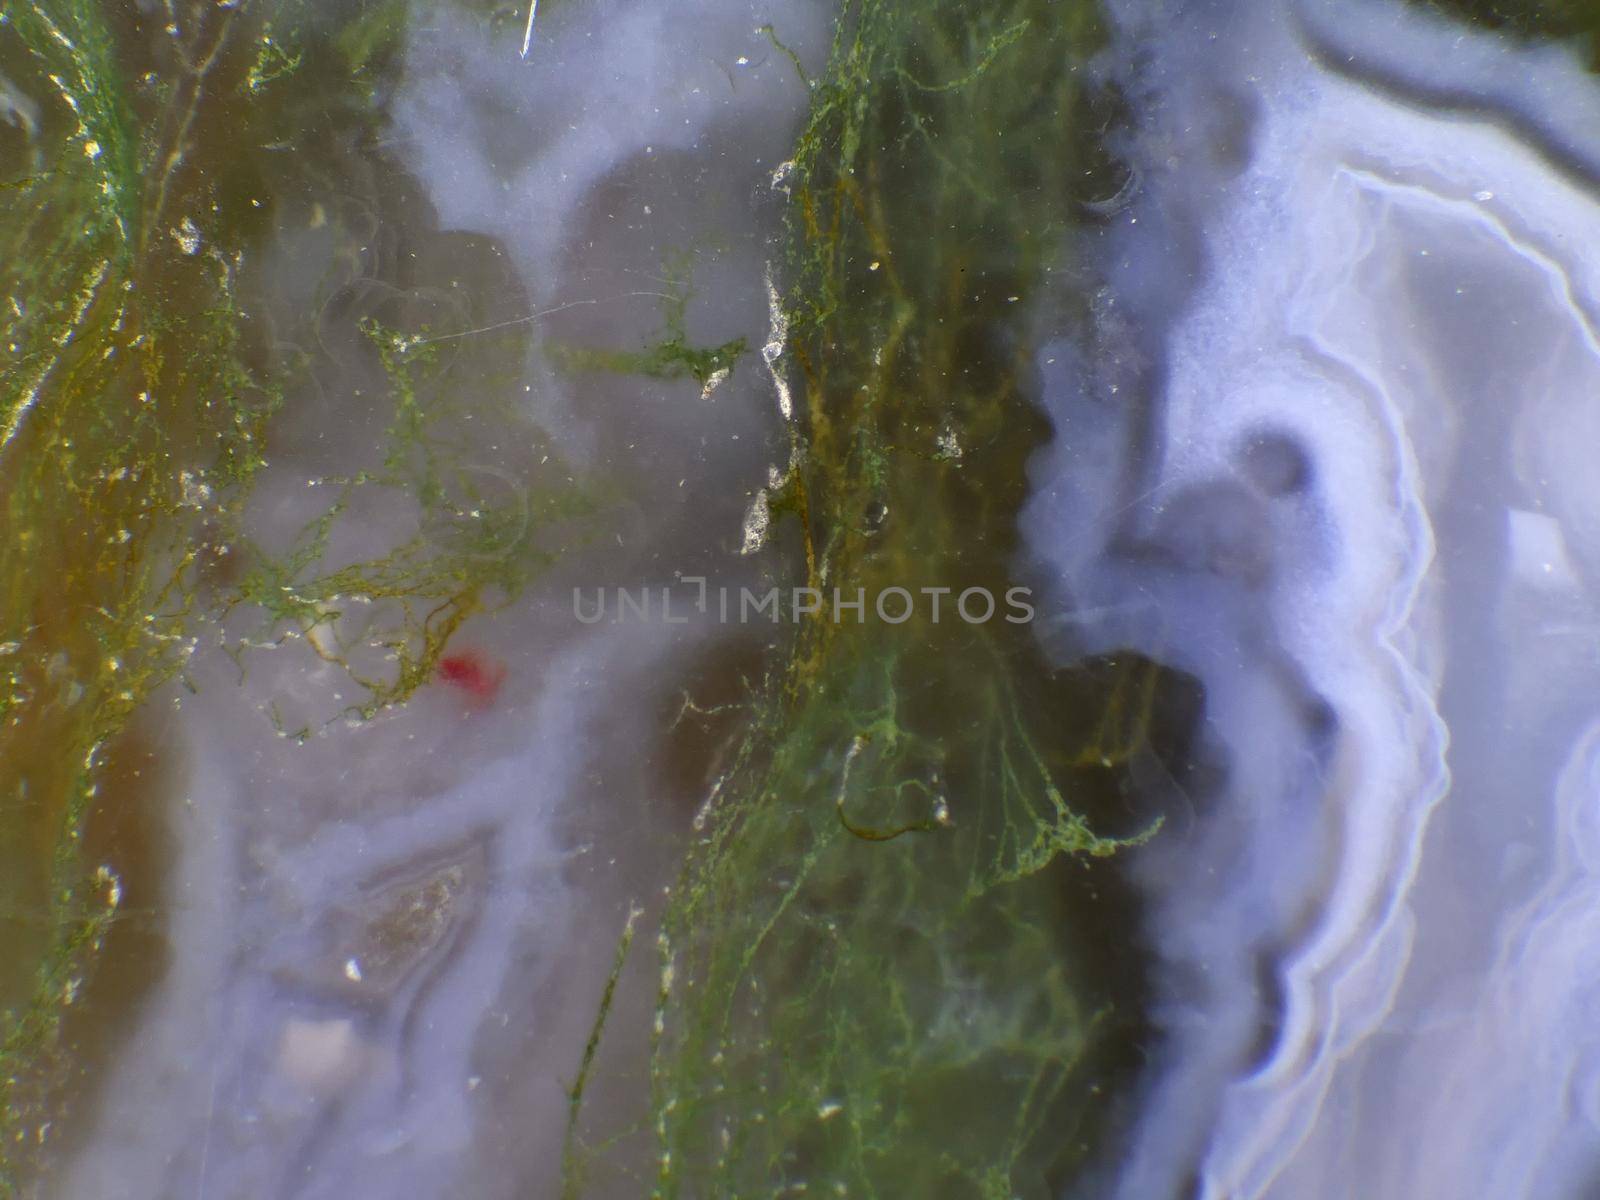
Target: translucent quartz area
x,y
1334,454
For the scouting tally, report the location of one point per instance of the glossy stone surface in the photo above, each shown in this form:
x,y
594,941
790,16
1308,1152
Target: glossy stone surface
x,y
461,464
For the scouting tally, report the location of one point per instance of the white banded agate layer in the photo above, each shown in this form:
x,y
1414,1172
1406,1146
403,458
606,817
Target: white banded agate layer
x,y
1335,453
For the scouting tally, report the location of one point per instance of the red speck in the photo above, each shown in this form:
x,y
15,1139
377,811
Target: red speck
x,y
473,674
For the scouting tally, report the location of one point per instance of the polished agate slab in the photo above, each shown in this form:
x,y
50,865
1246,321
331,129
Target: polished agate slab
x,y
730,598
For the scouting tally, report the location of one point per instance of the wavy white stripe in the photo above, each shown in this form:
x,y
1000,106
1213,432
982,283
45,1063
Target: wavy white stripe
x,y
1360,514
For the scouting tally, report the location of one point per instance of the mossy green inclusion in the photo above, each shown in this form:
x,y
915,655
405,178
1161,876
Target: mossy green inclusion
x,y
91,610
867,983
471,549
138,399
671,356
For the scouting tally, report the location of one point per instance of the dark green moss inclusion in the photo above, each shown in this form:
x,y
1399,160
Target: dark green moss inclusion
x,y
875,972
